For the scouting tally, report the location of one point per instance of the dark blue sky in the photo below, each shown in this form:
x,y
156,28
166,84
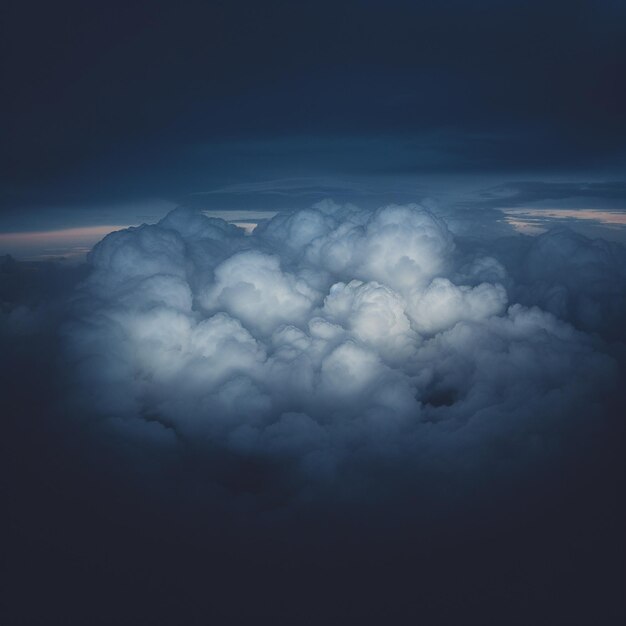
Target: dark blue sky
x,y
118,104
399,416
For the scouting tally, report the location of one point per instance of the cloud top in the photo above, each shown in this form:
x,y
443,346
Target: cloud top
x,y
329,336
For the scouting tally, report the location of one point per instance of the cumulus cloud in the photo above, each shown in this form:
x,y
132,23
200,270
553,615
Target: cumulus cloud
x,y
576,278
341,389
328,336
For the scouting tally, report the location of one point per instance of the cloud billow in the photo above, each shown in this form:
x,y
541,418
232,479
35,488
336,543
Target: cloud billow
x,y
327,336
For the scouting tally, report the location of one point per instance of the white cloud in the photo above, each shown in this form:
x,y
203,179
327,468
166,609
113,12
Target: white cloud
x,y
326,334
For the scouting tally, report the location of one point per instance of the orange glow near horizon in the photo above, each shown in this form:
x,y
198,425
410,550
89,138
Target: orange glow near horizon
x,y
65,242
54,236
596,215
538,221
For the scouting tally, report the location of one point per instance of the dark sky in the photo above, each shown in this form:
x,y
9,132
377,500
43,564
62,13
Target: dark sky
x,y
120,102
202,427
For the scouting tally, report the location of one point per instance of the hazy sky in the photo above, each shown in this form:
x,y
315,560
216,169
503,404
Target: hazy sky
x,y
115,115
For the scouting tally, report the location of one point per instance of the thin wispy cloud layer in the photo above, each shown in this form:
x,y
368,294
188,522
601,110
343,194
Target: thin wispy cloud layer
x,y
612,224
524,192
